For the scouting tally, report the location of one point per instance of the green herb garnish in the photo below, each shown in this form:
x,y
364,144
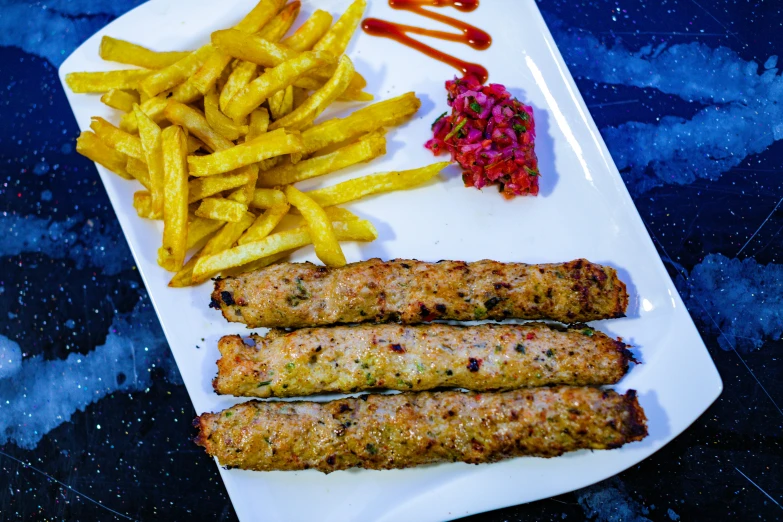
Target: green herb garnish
x,y
437,120
456,129
290,366
265,383
475,107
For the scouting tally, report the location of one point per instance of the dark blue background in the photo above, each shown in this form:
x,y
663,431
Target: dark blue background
x,y
690,103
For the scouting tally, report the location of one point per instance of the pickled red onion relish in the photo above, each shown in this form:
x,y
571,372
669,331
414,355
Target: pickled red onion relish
x,y
491,135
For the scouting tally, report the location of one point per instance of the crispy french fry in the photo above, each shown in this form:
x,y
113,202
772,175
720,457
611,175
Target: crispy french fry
x,y
175,206
251,48
368,147
351,93
117,139
185,93
310,32
367,119
200,188
194,121
313,106
221,209
138,169
268,198
274,30
226,237
142,202
321,231
176,73
195,144
282,102
152,107
340,214
121,51
224,125
284,241
273,80
336,40
242,74
257,264
248,191
259,123
91,146
260,15
375,184
120,100
264,224
85,82
200,229
149,134
299,96
268,145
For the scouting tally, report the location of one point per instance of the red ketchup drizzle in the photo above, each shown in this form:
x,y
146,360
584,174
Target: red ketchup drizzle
x,y
468,34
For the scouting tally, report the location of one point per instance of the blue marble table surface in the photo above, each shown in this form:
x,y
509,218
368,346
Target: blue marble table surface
x,y
95,423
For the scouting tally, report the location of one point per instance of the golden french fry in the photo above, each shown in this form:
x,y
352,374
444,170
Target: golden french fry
x,y
251,48
90,146
367,119
340,214
194,121
142,202
321,231
200,229
85,82
121,51
336,40
117,139
264,224
282,102
152,107
175,73
299,96
260,15
185,93
268,145
259,123
221,209
273,80
281,23
313,106
284,241
175,205
195,144
368,147
375,184
120,100
257,264
138,169
268,198
201,188
352,93
224,125
226,237
310,32
149,134
248,191
242,74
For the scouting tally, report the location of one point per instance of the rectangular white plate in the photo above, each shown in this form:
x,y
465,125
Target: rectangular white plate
x,y
584,210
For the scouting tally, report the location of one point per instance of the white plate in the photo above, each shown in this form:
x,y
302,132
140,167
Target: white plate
x,y
584,210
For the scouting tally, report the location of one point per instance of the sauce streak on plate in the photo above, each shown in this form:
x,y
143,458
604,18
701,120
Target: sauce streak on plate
x,y
468,34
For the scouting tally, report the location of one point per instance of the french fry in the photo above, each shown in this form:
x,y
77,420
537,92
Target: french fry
x,y
281,23
90,146
268,198
194,121
138,169
268,145
259,123
336,40
149,134
185,92
260,15
226,237
299,96
117,139
200,229
89,82
282,102
313,106
245,195
251,48
273,80
152,107
387,113
175,205
375,184
224,125
310,32
242,74
284,241
200,188
120,100
195,144
350,94
176,73
142,202
257,264
368,147
340,214
121,51
264,224
321,231
221,209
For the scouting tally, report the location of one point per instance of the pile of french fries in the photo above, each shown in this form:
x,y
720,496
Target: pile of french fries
x,y
219,135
